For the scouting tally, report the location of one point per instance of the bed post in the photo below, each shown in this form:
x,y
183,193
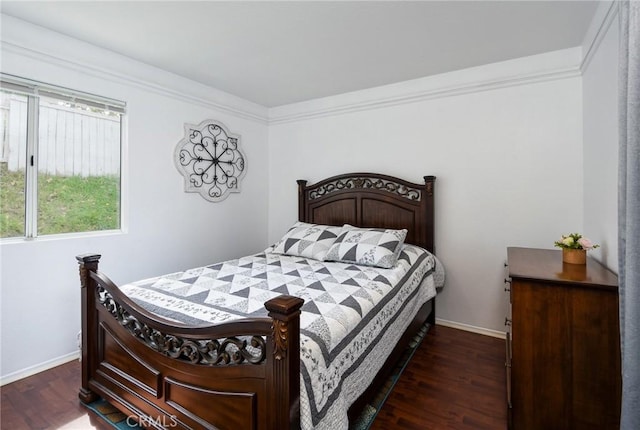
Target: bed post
x,y
302,201
285,397
428,203
88,263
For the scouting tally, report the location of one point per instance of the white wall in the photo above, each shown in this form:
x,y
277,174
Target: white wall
x,y
600,125
506,149
167,229
505,140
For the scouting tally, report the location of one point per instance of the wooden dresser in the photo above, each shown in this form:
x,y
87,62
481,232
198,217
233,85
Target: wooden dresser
x,y
563,351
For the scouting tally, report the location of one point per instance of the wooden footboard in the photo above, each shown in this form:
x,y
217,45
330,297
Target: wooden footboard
x,y
239,375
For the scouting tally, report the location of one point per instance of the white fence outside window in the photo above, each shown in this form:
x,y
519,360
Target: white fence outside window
x,y
71,142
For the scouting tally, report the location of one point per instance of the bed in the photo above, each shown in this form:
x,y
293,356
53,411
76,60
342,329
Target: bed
x,y
169,371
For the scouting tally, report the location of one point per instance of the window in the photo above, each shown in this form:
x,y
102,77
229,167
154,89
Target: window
x,y
60,160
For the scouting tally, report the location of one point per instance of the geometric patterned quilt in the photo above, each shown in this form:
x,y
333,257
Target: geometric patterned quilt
x,y
350,316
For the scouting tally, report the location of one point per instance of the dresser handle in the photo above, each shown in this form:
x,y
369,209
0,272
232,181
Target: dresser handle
x,y
507,281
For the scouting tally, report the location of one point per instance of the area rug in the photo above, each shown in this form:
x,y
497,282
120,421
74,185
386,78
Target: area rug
x,y
119,420
112,415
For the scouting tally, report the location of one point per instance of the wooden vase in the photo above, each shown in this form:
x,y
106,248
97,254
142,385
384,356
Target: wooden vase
x,y
574,256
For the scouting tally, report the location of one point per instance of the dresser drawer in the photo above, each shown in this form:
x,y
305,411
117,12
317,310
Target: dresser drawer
x,y
507,365
508,354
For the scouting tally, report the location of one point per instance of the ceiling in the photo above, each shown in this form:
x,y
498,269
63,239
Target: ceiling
x,y
276,53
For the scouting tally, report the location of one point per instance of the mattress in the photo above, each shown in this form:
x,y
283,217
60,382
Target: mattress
x,y
352,318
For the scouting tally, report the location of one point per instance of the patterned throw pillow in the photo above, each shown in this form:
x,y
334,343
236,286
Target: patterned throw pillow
x,y
307,240
367,246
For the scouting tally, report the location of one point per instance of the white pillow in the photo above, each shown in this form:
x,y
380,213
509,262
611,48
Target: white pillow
x,y
367,246
307,240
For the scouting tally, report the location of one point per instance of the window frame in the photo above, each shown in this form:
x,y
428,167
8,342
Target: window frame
x,y
32,90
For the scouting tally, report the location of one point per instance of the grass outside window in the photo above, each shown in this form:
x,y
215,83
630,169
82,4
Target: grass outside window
x,y
65,203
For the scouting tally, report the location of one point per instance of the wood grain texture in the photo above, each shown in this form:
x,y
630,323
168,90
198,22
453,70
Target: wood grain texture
x,y
546,265
48,400
372,200
454,381
566,351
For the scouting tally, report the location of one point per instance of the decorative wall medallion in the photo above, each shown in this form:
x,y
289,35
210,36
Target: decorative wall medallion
x,y
210,160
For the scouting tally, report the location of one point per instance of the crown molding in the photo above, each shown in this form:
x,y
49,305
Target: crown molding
x,y
546,67
44,45
35,42
602,20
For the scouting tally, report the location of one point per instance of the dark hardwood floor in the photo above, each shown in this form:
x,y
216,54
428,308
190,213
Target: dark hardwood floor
x,y
456,380
48,400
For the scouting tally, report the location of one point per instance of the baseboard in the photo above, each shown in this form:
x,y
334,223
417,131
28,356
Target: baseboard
x,y
471,328
29,371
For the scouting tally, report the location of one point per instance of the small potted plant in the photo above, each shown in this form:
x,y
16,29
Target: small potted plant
x,y
574,248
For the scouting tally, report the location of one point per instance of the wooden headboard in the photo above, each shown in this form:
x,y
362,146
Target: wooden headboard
x,y
371,200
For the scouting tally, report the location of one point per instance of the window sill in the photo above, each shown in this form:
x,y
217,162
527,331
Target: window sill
x,y
62,236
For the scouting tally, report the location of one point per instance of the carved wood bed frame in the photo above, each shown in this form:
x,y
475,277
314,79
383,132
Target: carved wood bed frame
x,y
163,373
